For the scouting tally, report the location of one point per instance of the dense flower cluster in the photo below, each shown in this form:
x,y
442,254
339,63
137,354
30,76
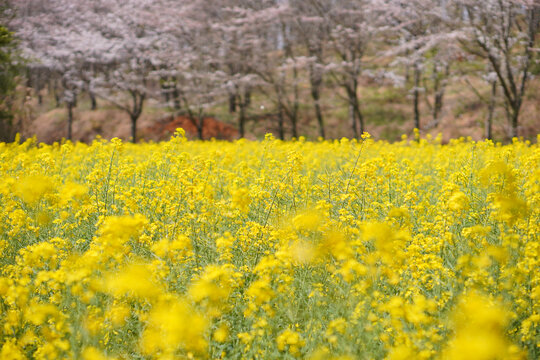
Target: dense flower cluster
x,y
271,249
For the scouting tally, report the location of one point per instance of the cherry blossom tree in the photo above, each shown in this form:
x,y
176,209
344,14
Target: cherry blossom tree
x,y
314,29
133,37
272,58
202,54
74,39
236,47
352,30
193,56
503,32
421,40
49,43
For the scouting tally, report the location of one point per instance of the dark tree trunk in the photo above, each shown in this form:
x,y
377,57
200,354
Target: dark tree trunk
x,y
165,90
416,96
6,128
320,120
316,96
512,115
28,77
243,101
39,86
232,103
176,95
281,120
356,118
57,96
200,126
359,115
135,112
134,119
491,110
352,120
294,126
165,93
437,108
247,98
93,100
176,101
439,88
70,119
242,119
515,117
407,74
407,68
295,106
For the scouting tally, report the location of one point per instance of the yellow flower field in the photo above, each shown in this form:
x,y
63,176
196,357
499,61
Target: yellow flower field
x,y
270,249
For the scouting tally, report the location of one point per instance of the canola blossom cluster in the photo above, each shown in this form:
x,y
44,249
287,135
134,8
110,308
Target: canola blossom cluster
x,y
270,250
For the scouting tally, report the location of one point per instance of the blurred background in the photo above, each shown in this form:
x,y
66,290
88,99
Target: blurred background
x,y
226,69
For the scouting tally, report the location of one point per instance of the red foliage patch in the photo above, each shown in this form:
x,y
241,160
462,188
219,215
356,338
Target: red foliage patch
x,y
212,128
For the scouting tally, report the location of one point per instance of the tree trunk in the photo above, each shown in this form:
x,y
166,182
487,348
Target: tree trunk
x,y
320,120
315,94
296,104
176,101
39,86
491,110
134,119
515,117
135,112
294,126
416,96
6,127
439,89
57,96
407,68
437,108
242,119
358,113
70,119
200,125
247,98
93,100
165,93
352,120
355,115
176,95
28,77
281,129
232,103
176,98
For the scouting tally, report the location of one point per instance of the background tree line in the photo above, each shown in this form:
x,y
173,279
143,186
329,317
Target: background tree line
x,y
195,54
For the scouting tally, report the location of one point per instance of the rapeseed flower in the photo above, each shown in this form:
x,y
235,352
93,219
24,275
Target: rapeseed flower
x,y
325,250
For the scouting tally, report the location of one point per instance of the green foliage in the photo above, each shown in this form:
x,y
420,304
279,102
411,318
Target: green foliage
x,y
6,63
378,106
467,106
8,74
380,115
